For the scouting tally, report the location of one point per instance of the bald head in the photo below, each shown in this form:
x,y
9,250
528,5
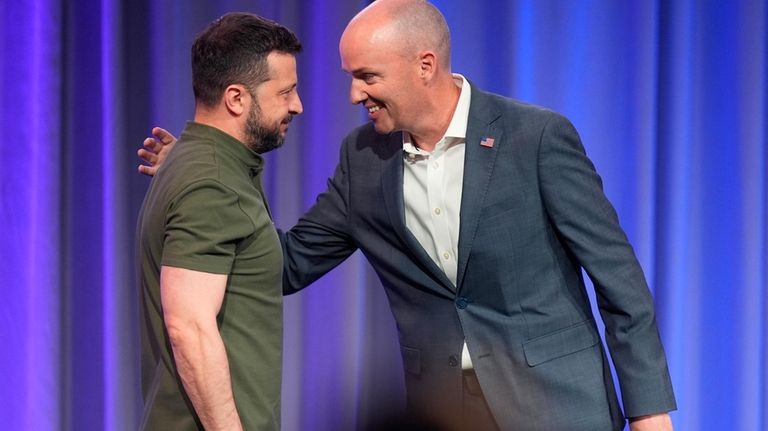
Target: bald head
x,y
398,55
408,26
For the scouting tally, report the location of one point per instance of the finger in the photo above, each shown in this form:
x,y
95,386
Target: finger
x,y
147,156
147,170
152,145
163,135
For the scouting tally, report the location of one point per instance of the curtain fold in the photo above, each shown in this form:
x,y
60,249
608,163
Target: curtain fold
x,y
670,99
30,310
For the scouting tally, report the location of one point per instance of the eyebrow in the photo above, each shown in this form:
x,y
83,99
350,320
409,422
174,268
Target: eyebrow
x,y
361,71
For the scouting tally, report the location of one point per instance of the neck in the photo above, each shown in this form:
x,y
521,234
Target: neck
x,y
220,120
441,106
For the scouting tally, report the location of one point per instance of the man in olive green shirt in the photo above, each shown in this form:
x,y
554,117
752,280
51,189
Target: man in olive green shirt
x,y
210,259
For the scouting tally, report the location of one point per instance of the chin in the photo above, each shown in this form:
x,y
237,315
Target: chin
x,y
383,128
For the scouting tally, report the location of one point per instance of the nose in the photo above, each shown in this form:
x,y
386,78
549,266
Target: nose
x,y
356,94
296,107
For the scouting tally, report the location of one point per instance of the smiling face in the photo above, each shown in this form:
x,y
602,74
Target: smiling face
x,y
385,79
275,102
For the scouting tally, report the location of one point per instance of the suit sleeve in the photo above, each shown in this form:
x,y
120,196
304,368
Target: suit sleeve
x,y
588,225
321,239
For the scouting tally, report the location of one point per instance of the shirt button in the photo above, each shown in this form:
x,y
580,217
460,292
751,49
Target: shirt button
x,y
453,361
446,255
437,211
461,303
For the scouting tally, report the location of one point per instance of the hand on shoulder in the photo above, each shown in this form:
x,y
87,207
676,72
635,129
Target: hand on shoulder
x,y
156,149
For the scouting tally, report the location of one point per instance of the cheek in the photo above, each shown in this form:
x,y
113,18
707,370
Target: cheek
x,y
274,112
409,103
281,116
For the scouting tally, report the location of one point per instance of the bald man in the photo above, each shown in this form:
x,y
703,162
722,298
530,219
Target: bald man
x,y
479,213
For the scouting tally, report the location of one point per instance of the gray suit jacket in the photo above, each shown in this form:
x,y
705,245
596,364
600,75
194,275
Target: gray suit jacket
x,y
533,214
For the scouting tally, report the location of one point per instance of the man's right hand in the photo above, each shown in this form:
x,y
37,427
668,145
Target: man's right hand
x,y
156,149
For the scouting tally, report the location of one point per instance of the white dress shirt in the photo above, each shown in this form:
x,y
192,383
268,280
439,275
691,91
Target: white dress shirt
x,y
432,184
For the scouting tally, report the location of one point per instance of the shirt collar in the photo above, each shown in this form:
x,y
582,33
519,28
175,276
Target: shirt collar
x,y
226,142
457,128
458,125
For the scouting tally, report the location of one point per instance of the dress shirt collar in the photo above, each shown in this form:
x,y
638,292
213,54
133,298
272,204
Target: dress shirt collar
x,y
457,128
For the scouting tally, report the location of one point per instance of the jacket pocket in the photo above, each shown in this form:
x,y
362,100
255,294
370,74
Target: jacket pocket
x,y
411,359
560,343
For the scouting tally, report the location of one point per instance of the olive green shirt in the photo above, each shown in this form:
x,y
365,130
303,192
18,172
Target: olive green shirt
x,y
205,210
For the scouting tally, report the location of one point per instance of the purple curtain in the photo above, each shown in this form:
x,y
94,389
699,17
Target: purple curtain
x,y
670,99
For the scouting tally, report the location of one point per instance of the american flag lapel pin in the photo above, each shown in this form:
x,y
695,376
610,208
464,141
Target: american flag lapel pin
x,y
487,142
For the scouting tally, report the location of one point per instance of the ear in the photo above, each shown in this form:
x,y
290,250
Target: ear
x,y
427,64
235,97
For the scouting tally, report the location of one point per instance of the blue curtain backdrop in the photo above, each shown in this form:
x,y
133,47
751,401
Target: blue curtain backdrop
x,y
670,98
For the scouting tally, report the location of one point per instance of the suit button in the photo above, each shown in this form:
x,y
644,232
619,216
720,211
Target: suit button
x,y
461,303
453,360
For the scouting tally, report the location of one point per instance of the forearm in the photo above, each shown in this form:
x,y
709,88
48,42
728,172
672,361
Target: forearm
x,y
589,228
322,238
201,361
191,302
311,250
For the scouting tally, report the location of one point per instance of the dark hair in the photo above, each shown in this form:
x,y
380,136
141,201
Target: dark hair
x,y
233,50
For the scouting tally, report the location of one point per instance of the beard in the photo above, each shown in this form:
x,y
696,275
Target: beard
x,y
261,137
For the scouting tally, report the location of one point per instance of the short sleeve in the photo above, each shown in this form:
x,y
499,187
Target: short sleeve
x,y
204,226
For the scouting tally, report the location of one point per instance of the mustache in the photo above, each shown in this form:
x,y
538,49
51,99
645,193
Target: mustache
x,y
288,119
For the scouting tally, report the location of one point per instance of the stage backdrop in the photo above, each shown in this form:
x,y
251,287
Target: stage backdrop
x,y
669,97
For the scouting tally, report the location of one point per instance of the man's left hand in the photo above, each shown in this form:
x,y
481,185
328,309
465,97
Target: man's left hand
x,y
657,422
155,150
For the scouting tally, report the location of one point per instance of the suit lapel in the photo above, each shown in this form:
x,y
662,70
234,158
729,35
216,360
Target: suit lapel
x,y
478,168
392,186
